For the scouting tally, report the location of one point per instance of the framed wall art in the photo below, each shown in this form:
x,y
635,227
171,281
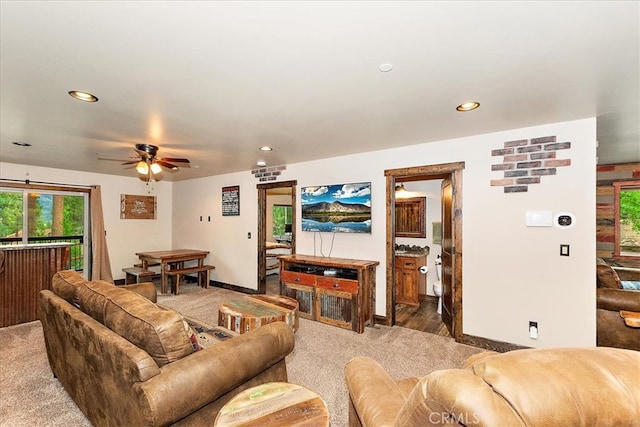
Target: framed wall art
x,y
231,201
137,207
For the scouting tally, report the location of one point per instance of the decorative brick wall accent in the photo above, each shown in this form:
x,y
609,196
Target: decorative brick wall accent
x,y
606,175
268,174
525,161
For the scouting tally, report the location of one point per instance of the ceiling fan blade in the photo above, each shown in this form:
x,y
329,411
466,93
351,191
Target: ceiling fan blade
x,y
143,154
131,162
167,165
112,160
175,159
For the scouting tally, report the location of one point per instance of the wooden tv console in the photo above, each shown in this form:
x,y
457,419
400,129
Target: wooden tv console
x,y
337,291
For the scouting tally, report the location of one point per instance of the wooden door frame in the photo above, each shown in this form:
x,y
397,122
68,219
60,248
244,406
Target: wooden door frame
x,y
262,227
422,173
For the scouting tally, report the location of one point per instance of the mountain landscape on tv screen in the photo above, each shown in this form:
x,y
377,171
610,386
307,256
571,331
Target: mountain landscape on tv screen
x,y
337,208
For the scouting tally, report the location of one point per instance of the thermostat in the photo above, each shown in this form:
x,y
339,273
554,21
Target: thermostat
x,y
564,220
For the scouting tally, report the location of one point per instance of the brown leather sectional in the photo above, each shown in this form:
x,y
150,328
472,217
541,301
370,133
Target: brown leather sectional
x,y
533,387
127,361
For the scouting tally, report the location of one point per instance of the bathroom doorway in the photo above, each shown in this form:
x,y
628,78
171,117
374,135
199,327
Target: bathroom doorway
x,y
450,176
274,199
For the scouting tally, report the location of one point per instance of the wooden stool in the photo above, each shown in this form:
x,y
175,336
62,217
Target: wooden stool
x,y
134,274
274,405
252,311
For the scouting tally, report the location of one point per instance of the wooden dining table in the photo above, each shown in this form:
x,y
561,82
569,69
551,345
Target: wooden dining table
x,y
169,259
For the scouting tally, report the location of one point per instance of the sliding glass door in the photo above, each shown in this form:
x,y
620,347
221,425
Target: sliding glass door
x,y
28,216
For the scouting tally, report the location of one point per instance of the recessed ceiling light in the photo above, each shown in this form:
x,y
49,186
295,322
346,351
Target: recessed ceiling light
x,y
266,148
83,96
21,144
385,68
468,106
261,163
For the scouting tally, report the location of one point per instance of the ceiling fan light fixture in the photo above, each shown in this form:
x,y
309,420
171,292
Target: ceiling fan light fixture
x,y
83,96
155,168
142,167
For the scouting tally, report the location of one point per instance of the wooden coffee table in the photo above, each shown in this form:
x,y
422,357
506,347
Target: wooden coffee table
x,y
274,405
252,311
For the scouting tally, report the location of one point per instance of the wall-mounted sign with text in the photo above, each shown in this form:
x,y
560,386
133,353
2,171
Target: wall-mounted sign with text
x,y
137,207
231,201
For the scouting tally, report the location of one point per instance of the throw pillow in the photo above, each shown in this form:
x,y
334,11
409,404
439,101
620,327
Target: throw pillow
x,y
630,285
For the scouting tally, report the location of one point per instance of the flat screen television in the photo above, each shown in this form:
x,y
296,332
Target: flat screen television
x,y
343,208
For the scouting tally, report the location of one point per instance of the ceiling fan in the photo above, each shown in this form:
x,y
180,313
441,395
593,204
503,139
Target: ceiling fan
x,y
149,166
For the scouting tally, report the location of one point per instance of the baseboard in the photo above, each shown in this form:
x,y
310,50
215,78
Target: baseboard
x,y
231,287
488,344
380,320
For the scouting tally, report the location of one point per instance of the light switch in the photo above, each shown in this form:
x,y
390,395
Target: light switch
x,y
564,250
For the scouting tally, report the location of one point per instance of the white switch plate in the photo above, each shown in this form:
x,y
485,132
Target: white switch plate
x,y
539,218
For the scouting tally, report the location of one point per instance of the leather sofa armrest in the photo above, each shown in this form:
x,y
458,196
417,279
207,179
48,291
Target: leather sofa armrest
x,y
627,273
192,382
375,396
618,299
146,289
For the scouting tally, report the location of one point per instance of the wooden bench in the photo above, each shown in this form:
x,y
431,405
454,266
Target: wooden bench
x,y
203,273
151,264
134,274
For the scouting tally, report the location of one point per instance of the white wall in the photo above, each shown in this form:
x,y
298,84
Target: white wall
x,y
125,237
511,273
233,254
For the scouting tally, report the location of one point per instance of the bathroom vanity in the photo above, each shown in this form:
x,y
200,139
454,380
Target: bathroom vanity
x,y
409,279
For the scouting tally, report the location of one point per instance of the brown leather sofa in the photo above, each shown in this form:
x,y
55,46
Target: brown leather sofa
x,y
127,361
616,309
533,387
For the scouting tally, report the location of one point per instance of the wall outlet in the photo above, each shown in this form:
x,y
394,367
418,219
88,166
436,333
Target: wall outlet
x,y
249,235
533,330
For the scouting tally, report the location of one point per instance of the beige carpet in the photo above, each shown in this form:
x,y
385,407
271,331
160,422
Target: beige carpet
x,y
30,396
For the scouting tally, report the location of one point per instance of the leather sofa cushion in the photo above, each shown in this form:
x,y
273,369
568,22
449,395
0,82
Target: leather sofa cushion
x,y
597,385
607,277
65,283
160,331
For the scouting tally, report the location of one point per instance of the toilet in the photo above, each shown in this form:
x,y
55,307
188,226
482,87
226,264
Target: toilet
x,y
437,286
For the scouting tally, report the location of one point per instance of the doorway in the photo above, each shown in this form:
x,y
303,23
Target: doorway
x,y
451,176
270,245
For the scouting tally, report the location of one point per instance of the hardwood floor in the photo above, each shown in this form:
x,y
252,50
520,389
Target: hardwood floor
x,y
273,284
422,318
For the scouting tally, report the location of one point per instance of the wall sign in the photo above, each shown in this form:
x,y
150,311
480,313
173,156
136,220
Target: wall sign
x,y
137,207
231,201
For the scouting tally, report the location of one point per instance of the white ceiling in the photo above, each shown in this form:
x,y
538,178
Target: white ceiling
x,y
213,81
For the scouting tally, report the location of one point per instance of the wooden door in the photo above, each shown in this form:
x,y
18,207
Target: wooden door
x,y
448,251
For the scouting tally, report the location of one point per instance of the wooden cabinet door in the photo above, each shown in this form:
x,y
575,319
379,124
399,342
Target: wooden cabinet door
x,y
407,281
336,308
304,295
